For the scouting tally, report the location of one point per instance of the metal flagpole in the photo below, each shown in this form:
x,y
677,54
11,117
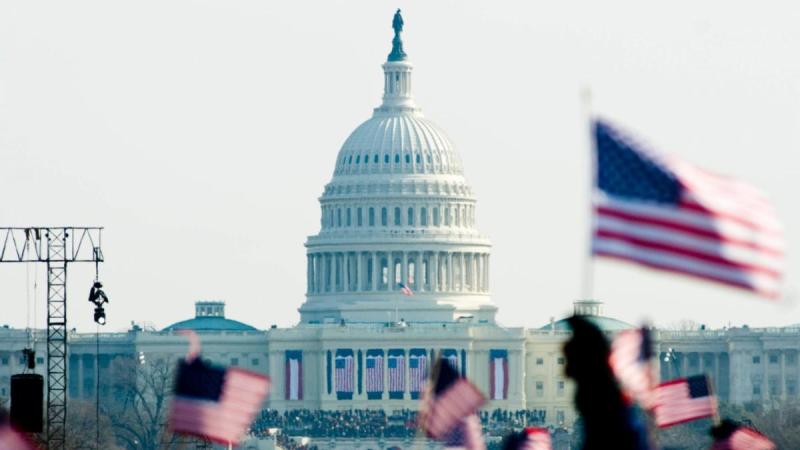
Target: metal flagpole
x,y
587,279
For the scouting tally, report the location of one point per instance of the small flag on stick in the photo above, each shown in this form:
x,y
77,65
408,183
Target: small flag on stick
x,y
683,400
449,405
631,361
405,290
215,403
729,435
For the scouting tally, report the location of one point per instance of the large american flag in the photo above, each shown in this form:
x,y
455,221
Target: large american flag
x,y
744,438
417,372
374,373
631,361
344,374
683,400
397,371
664,213
215,403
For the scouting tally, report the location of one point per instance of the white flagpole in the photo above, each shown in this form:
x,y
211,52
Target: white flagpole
x,y
587,281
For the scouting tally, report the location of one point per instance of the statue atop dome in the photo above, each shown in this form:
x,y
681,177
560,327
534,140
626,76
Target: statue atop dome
x,y
397,53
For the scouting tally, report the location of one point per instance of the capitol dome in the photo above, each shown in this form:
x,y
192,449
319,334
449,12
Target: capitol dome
x,y
397,235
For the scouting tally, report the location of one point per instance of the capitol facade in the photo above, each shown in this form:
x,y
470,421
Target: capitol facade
x,y
397,276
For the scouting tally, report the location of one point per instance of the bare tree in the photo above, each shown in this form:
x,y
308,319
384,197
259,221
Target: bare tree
x,y
141,400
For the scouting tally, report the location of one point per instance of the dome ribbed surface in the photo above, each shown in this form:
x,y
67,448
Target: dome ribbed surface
x,y
401,142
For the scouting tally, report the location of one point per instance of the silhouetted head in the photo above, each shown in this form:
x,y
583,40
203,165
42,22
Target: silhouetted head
x,y
514,440
724,430
587,351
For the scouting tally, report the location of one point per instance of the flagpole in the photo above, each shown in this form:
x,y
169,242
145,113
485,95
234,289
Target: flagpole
x,y
587,279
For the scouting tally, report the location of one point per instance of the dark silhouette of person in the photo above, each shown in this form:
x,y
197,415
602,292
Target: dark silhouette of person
x,y
608,422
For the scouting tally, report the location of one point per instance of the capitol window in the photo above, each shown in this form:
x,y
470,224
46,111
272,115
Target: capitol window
x,y
408,159
411,216
338,217
384,217
791,359
372,217
358,159
396,158
418,159
375,159
436,217
773,359
540,388
560,388
397,216
756,360
386,159
423,216
348,217
539,361
358,217
234,361
447,217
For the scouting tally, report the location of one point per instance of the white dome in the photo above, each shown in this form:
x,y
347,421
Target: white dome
x,y
397,231
399,142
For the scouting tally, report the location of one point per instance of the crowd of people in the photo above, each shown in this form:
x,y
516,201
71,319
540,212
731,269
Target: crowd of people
x,y
368,423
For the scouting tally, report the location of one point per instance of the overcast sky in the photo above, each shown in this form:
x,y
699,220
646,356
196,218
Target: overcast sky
x,y
201,133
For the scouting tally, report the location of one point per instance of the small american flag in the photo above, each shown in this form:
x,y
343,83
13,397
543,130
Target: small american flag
x,y
215,403
450,401
683,400
744,438
10,439
631,354
405,290
374,374
664,213
536,439
344,374
468,435
397,371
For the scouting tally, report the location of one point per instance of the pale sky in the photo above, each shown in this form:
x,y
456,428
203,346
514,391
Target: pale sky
x,y
201,133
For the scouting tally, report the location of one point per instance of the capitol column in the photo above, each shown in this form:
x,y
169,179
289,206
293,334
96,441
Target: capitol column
x,y
434,271
462,273
418,281
324,272
309,273
346,271
375,270
392,272
782,356
475,272
449,282
404,269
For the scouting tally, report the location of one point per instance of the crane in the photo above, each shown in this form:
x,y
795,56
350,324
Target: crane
x,y
57,247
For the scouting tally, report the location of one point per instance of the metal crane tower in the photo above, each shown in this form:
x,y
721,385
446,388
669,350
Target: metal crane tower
x,y
56,246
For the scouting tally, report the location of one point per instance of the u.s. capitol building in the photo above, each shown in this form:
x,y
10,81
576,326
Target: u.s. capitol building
x,y
398,275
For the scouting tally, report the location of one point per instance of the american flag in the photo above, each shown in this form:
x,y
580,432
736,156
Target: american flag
x,y
683,400
498,374
631,354
344,374
744,438
417,372
452,357
450,401
215,403
405,289
397,370
536,439
374,373
468,434
10,439
664,213
294,375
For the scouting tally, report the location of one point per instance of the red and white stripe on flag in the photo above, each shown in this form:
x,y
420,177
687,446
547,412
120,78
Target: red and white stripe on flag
x,y
747,439
11,439
498,375
637,376
344,374
228,419
683,400
537,439
374,373
445,411
717,229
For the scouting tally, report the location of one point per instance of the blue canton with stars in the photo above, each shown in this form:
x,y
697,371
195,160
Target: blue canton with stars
x,y
626,172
